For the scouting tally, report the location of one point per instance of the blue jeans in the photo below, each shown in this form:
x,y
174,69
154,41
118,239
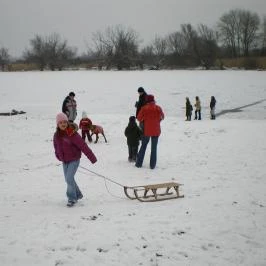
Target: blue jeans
x,y
153,157
73,192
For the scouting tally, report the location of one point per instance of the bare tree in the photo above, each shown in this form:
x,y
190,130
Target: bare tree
x,y
4,58
207,43
103,50
263,37
126,48
176,43
238,29
249,25
147,55
49,51
192,40
37,53
199,47
117,46
159,50
57,52
229,29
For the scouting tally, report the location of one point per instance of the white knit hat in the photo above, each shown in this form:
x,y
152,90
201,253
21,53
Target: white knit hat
x,y
84,114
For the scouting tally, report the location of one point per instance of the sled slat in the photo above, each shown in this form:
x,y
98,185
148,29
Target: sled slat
x,y
149,193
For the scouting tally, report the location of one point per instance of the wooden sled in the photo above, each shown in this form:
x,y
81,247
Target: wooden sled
x,y
154,192
13,112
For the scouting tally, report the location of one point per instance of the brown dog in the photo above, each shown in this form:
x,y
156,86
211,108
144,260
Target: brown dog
x,y
95,129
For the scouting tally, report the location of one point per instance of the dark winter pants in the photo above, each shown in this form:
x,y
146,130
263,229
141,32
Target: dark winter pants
x,y
198,115
132,153
85,133
213,113
153,157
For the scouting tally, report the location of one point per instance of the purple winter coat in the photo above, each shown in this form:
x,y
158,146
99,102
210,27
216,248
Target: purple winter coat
x,y
69,147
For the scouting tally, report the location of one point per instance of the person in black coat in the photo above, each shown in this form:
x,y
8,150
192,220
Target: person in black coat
x,y
133,134
141,101
189,109
69,107
212,107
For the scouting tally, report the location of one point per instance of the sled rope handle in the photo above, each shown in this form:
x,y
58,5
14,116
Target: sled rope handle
x,y
105,183
104,177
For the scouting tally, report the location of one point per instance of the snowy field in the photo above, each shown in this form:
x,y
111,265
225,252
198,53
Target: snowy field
x,y
221,219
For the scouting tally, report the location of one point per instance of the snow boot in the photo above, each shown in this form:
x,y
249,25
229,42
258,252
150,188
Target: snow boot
x,y
71,203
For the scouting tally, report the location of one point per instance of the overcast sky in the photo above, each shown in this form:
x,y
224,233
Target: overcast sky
x,y
76,20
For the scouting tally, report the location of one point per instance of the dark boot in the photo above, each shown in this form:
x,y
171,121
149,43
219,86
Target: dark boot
x,y
71,203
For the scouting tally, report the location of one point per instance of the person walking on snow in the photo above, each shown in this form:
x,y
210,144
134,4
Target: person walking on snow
x,y
68,146
212,107
133,134
85,125
151,115
69,107
189,109
198,109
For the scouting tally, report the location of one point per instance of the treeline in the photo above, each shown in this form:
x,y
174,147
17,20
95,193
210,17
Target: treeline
x,y
239,33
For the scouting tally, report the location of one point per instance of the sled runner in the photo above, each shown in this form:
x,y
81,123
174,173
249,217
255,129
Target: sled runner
x,y
154,192
147,193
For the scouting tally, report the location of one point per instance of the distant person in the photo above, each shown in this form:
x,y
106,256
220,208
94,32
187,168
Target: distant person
x,y
141,101
69,107
212,107
133,134
151,115
85,125
197,109
189,109
68,146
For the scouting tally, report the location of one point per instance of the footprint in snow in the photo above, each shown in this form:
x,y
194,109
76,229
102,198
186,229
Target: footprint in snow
x,y
91,218
102,250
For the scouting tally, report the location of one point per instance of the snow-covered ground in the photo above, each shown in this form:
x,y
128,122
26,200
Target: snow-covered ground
x,y
221,219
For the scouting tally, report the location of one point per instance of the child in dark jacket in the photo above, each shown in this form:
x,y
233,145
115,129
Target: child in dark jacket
x,y
68,146
212,107
85,125
189,109
133,134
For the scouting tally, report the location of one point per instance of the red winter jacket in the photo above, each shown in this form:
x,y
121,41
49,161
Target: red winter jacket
x,y
151,114
68,146
85,124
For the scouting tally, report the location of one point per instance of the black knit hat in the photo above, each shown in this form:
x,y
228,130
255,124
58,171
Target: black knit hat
x,y
132,119
72,94
140,89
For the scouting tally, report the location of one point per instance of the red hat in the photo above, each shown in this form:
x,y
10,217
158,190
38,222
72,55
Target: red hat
x,y
149,98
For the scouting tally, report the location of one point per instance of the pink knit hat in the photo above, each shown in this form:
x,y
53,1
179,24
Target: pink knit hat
x,y
61,117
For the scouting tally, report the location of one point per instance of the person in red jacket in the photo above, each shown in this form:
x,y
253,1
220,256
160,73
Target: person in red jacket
x,y
68,146
151,115
85,125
